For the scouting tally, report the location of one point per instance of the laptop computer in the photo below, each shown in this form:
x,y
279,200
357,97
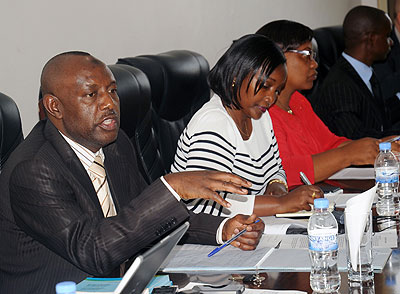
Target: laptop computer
x,y
146,265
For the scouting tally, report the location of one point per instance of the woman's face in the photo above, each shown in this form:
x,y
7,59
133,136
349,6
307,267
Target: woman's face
x,y
301,68
254,105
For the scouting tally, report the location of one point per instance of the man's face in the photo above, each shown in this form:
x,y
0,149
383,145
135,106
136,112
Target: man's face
x,y
89,105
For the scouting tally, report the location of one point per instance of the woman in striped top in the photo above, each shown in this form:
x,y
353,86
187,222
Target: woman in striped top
x,y
233,132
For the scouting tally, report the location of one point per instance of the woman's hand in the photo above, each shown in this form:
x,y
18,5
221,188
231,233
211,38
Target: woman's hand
x,y
299,199
362,151
395,144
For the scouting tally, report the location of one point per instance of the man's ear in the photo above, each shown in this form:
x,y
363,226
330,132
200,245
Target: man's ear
x,y
369,39
53,106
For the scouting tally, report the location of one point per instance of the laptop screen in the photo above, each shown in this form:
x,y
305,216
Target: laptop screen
x,y
146,265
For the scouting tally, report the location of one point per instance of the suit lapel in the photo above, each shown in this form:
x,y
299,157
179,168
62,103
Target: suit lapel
x,y
118,182
378,103
356,78
71,161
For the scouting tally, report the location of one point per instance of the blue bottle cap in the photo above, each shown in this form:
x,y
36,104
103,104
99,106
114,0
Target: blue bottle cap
x,y
385,146
66,287
321,203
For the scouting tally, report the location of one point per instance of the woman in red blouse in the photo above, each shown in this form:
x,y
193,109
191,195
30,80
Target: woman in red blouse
x,y
305,142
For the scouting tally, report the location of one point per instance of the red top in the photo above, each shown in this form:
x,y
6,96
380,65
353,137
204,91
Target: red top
x,y
299,136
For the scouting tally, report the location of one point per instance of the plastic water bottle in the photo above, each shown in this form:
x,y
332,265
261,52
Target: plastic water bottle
x,y
323,248
66,287
387,178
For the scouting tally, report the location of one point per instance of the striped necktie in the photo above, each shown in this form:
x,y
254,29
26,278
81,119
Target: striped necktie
x,y
99,180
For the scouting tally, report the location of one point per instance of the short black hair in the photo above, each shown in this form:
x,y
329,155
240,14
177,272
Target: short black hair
x,y
362,20
246,57
287,34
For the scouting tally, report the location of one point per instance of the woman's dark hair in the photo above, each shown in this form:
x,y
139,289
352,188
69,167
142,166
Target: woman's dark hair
x,y
287,34
248,56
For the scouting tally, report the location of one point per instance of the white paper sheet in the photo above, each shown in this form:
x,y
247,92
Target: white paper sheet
x,y
279,226
354,173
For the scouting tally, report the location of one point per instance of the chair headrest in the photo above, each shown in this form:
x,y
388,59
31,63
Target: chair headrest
x,y
178,80
10,127
330,44
134,93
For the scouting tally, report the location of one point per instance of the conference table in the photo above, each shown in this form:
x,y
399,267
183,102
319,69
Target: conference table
x,y
386,282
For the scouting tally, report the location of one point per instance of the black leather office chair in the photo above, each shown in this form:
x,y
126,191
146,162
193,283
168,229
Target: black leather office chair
x,y
10,128
179,88
134,93
330,44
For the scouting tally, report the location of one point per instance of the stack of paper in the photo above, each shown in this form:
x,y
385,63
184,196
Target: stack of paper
x,y
191,258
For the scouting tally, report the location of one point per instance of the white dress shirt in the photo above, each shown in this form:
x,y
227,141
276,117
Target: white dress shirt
x,y
87,158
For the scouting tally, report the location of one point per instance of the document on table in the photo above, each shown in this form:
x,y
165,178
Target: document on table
x,y
385,239
354,173
292,256
340,199
279,226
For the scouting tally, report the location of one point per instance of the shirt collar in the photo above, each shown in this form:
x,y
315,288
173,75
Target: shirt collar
x,y
84,154
363,70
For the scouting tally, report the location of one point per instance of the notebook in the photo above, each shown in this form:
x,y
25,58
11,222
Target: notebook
x,y
145,266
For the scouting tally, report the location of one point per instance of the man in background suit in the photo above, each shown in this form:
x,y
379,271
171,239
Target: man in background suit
x,y
388,71
52,225
350,101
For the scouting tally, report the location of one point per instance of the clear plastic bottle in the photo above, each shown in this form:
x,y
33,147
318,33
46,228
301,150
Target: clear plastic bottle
x,y
387,178
323,248
67,287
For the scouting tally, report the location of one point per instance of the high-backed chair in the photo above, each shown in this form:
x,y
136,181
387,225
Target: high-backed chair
x,y
179,88
134,93
330,44
10,128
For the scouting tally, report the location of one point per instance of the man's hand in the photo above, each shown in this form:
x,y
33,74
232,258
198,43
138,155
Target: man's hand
x,y
248,240
205,184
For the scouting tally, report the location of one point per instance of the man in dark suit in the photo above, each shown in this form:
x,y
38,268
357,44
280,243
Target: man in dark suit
x,y
52,225
388,71
350,101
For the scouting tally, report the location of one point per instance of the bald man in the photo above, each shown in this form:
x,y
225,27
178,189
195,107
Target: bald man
x,y
388,71
52,225
350,100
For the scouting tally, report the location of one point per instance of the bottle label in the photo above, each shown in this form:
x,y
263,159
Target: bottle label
x,y
322,240
386,175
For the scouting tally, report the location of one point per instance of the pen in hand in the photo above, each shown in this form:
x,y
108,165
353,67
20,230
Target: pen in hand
x,y
307,182
226,243
304,178
393,139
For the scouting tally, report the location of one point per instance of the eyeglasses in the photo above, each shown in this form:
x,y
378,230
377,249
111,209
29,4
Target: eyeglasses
x,y
307,53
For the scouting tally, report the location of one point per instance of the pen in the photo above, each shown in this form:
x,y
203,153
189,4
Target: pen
x,y
304,178
393,139
229,241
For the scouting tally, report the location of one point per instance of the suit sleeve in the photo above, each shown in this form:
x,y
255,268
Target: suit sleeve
x,y
47,209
